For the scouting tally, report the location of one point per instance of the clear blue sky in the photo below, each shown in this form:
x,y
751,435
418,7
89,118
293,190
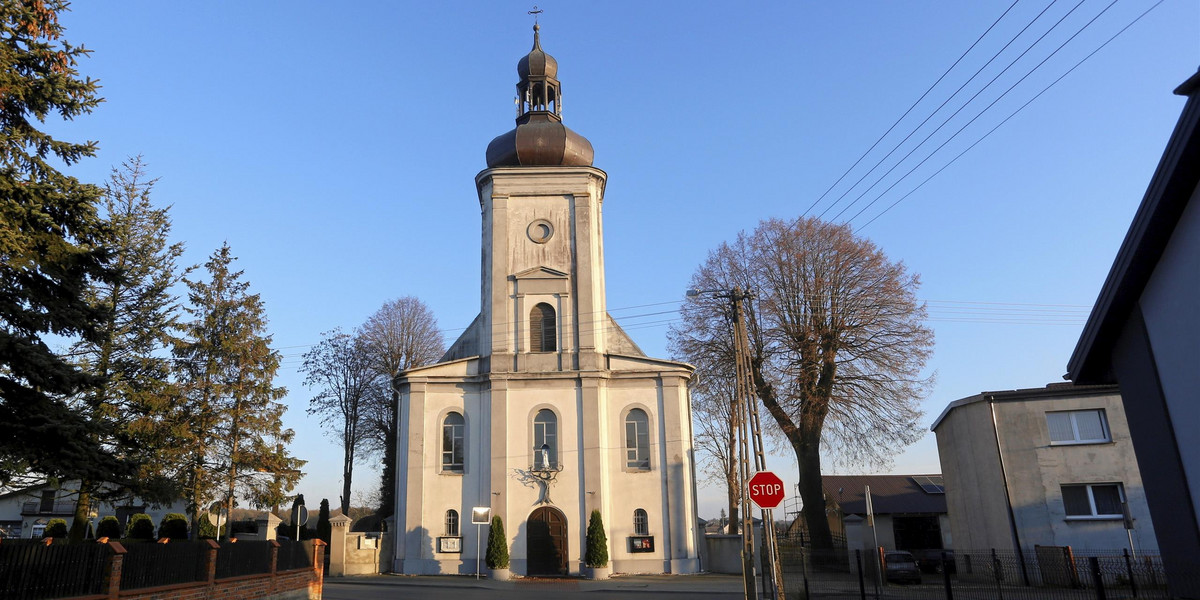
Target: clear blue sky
x,y
334,147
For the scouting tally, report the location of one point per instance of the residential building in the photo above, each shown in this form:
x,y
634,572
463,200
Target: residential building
x,y
25,512
1144,335
1050,466
909,511
544,409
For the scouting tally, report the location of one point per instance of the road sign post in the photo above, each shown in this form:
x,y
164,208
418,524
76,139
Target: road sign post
x,y
480,516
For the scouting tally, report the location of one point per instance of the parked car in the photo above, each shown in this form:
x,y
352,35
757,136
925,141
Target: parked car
x,y
901,567
934,561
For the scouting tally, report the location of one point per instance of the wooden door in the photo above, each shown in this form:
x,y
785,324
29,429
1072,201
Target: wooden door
x,y
547,547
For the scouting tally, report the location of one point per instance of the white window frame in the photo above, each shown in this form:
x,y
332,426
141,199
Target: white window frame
x,y
545,432
1092,501
633,459
1073,414
641,522
453,524
458,437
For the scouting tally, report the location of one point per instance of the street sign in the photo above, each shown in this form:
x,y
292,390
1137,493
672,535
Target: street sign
x,y
300,513
765,489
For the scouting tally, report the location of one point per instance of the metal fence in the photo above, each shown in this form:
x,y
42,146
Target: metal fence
x,y
151,565
294,555
1045,572
33,571
235,559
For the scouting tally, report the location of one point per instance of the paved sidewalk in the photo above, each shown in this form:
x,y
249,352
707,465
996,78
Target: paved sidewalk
x,y
466,587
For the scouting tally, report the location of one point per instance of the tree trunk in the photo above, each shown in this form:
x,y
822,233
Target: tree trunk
x,y
808,457
83,505
347,474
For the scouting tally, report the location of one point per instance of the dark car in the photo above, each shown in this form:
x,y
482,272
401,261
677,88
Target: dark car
x,y
901,567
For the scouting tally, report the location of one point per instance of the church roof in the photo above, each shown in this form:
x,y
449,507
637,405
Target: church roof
x,y
540,138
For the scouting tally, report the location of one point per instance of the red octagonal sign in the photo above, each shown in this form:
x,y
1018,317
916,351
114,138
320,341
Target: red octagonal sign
x,y
766,489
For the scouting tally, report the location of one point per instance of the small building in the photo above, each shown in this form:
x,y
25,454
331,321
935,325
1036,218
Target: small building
x,y
1050,466
909,511
1144,335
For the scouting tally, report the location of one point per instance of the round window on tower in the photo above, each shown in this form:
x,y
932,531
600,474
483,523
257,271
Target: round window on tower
x,y
540,231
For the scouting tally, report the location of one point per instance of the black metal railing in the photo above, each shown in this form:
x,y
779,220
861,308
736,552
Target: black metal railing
x,y
235,559
37,571
152,565
294,555
1044,572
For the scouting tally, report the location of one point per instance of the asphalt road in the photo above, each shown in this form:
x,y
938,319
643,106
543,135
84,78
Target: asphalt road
x,y
702,587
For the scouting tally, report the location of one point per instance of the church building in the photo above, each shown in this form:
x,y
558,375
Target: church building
x,y
544,409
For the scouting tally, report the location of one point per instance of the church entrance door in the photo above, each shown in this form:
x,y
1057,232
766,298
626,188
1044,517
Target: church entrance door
x,y
547,548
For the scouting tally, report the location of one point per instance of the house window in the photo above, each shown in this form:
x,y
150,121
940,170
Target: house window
x,y
542,336
1101,500
545,433
452,523
453,428
641,522
637,440
1078,427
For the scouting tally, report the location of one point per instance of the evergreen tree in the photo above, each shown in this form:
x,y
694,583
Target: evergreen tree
x,y
50,248
597,542
324,527
497,545
140,318
230,410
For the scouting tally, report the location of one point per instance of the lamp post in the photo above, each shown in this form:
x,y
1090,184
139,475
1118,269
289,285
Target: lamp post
x,y
746,423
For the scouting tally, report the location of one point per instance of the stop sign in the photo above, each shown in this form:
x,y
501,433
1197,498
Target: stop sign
x,y
766,489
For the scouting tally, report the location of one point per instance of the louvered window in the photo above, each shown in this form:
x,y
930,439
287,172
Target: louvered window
x,y
542,330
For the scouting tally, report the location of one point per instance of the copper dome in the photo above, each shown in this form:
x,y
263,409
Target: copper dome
x,y
540,139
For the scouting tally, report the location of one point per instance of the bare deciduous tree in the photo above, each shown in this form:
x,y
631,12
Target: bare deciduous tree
x,y
401,335
838,344
340,366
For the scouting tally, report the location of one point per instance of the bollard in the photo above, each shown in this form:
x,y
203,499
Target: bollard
x,y
1094,565
946,576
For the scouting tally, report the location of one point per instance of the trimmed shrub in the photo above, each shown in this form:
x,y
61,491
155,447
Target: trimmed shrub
x,y
109,527
497,546
597,542
207,529
173,526
324,527
141,527
56,528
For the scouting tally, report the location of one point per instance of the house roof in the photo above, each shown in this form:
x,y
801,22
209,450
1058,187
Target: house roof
x,y
890,494
1051,391
1168,195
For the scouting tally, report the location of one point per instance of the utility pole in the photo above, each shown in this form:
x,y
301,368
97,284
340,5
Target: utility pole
x,y
749,433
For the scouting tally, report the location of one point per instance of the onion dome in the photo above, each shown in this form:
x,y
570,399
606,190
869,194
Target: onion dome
x,y
540,139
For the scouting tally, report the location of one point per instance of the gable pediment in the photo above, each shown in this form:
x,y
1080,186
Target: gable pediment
x,y
540,273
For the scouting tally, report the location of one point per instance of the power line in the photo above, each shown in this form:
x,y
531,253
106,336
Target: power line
x,y
898,145
1006,119
910,108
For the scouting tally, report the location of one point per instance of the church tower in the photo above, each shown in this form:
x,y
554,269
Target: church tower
x,y
544,409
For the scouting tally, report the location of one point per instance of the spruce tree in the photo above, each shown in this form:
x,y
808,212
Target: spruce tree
x,y
51,246
324,527
230,410
497,545
140,319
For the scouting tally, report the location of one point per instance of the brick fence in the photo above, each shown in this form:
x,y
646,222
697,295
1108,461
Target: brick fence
x,y
296,584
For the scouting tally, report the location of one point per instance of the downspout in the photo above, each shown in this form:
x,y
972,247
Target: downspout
x,y
1012,517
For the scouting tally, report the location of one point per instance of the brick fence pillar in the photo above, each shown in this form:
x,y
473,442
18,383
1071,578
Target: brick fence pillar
x,y
210,563
112,570
319,565
274,564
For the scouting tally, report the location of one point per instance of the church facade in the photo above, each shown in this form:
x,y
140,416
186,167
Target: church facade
x,y
544,409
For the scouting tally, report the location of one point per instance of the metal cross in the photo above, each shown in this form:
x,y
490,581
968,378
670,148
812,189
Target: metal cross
x,y
535,12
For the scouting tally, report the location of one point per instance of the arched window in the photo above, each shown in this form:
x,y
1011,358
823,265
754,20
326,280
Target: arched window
x,y
637,440
545,433
542,336
452,523
641,522
453,430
